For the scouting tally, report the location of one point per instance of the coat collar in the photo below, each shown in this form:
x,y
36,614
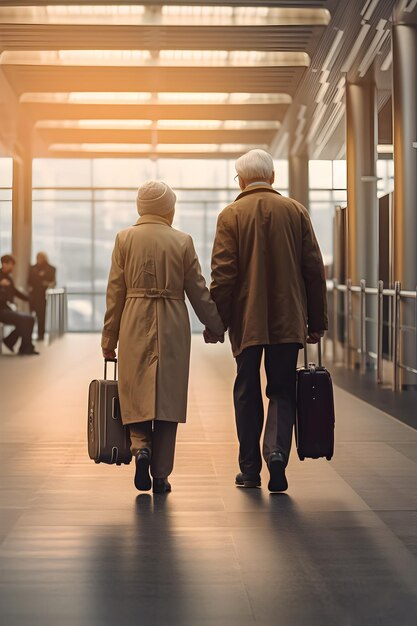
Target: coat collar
x,y
152,219
257,189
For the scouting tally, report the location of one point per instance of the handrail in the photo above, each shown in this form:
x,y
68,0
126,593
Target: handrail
x,y
57,312
397,297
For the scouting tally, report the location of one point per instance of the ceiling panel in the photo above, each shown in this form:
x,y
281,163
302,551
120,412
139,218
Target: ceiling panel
x,y
44,78
64,111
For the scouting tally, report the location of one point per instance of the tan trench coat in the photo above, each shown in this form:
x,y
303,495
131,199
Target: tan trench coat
x,y
267,271
152,266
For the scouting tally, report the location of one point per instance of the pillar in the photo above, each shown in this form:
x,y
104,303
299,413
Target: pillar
x,y
298,179
22,219
404,49
362,200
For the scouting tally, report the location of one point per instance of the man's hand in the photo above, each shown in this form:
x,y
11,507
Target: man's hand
x,y
314,336
210,338
109,354
4,282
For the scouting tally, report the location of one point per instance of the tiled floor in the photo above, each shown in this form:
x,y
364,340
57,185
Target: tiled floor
x,y
79,546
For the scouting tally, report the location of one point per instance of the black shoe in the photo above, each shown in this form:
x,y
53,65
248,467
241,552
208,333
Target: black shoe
x,y
142,478
9,344
276,465
161,485
243,480
32,352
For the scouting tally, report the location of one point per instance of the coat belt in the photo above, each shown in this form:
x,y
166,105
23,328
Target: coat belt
x,y
155,293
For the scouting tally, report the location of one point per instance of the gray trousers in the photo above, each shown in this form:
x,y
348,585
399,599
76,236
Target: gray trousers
x,y
159,437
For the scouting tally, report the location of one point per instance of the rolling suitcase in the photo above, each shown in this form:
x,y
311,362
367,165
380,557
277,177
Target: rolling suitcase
x,y
108,439
314,427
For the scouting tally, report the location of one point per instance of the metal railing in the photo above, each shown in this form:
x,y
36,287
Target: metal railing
x,y
57,313
391,321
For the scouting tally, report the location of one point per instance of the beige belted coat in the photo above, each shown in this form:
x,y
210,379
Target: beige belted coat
x,y
152,266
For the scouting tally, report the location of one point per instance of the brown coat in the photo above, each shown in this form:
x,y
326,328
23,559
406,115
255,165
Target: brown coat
x,y
267,271
152,266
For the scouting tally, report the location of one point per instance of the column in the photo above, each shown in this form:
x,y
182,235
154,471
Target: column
x,y
22,219
404,48
362,200
298,179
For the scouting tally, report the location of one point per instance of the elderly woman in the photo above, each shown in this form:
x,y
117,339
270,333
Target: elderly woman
x,y
152,266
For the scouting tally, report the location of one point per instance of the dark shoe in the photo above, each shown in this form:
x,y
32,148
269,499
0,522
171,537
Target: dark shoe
x,y
161,485
276,465
9,344
242,480
142,478
28,352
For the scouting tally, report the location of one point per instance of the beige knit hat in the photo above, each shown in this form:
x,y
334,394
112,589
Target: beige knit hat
x,y
155,198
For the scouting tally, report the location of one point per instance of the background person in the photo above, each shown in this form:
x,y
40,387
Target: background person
x,y
42,276
23,322
269,286
152,266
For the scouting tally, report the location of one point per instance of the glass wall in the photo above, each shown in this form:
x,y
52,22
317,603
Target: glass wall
x,y
6,182
80,204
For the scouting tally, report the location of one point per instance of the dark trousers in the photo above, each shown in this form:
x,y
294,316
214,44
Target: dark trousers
x,y
23,323
39,306
280,367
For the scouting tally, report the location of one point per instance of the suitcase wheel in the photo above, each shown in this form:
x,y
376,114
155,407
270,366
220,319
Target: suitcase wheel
x,y
328,458
302,458
96,461
118,463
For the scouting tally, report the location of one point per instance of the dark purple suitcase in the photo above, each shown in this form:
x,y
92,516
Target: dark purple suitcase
x,y
108,439
314,428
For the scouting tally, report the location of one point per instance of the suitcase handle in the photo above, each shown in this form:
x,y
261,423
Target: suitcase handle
x,y
105,367
319,354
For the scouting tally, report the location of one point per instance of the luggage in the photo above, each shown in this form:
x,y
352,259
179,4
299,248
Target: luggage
x,y
314,427
108,439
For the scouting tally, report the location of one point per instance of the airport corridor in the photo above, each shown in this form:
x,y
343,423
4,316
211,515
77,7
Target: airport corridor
x,y
80,546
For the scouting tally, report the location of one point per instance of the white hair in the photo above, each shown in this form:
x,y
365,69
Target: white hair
x,y
255,165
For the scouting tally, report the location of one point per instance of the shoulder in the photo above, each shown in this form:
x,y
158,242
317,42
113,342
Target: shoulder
x,y
295,206
184,239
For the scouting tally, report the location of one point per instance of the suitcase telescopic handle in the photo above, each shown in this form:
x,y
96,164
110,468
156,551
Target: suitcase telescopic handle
x,y
318,351
105,367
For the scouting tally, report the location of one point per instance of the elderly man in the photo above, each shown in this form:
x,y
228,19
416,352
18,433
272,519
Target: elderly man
x,y
23,322
269,287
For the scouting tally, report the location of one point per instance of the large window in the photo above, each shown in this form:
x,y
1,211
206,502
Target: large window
x,y
80,204
6,183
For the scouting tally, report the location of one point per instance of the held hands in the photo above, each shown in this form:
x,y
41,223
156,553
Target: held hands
x,y
210,338
314,336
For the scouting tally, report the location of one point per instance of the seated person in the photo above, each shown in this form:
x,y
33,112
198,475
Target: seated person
x,y
23,322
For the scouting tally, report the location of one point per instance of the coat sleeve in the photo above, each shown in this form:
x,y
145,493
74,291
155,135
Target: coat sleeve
x,y
115,300
314,279
198,294
224,268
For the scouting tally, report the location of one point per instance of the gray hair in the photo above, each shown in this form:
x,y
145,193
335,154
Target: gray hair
x,y
255,165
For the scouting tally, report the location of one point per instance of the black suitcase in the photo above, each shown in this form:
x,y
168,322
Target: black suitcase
x,y
108,439
314,427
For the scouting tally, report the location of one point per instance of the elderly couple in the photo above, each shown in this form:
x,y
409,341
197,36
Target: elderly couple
x,y
268,290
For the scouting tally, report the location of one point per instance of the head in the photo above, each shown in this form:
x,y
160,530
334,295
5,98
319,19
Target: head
x,y
255,166
41,258
7,263
156,198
